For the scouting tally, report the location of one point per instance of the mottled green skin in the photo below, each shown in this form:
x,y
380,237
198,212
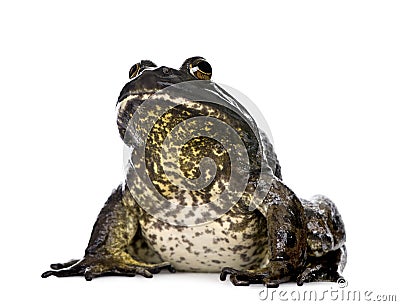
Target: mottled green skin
x,y
283,239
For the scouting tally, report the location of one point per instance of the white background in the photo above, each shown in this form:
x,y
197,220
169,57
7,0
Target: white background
x,y
326,76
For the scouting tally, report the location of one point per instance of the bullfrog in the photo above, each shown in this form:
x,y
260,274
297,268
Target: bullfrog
x,y
141,230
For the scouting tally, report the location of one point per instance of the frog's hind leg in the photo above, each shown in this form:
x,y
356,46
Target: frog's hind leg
x,y
324,268
325,239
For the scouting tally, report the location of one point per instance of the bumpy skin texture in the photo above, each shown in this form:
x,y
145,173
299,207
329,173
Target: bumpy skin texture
x,y
284,239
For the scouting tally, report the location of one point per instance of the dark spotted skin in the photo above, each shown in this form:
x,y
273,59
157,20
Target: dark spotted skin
x,y
284,239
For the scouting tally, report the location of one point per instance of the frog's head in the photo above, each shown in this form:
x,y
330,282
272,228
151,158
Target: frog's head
x,y
147,78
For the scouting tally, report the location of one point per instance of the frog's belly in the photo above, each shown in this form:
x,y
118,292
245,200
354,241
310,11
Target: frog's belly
x,y
237,242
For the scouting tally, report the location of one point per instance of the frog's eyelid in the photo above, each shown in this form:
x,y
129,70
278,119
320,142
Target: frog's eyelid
x,y
148,68
137,69
141,70
197,72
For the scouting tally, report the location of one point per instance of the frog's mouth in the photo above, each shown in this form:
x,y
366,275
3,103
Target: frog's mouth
x,y
140,95
127,105
144,92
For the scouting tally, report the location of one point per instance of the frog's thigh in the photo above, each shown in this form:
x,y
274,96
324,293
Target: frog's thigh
x,y
325,227
324,268
325,239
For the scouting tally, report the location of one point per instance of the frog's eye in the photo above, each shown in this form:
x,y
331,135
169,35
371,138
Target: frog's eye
x,y
134,71
201,69
139,67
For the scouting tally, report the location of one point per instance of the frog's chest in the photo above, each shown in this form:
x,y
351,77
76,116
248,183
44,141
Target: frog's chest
x,y
235,240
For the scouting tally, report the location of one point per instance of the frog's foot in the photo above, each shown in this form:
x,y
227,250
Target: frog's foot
x,y
96,266
318,273
271,276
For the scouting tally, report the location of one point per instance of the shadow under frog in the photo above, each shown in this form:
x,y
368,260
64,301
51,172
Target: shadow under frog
x,y
284,239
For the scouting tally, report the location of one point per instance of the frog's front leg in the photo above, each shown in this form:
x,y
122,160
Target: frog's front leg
x,y
286,241
106,253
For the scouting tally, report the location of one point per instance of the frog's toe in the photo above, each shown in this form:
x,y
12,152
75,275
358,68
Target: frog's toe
x,y
97,271
225,271
241,278
317,273
237,277
59,266
269,283
156,268
72,270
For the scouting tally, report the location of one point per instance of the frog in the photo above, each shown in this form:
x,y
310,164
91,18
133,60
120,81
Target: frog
x,y
283,239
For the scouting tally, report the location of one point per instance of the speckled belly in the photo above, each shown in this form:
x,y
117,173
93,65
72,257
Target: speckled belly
x,y
234,240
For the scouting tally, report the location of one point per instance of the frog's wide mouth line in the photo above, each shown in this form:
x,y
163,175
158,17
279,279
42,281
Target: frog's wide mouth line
x,y
136,95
